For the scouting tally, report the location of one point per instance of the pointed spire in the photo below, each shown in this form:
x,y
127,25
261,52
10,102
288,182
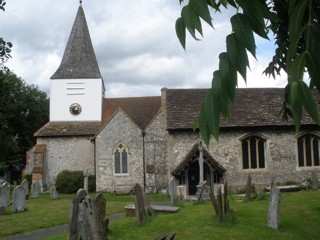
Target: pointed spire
x,y
79,59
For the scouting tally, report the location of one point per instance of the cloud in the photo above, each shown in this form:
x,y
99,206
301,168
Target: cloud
x,y
135,44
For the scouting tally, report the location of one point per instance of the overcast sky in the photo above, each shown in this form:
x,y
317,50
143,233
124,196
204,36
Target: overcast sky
x,y
134,41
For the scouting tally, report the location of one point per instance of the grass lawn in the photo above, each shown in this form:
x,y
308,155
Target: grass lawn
x,y
300,218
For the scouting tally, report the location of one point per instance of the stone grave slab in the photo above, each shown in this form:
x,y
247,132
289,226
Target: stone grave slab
x,y
19,199
35,189
25,185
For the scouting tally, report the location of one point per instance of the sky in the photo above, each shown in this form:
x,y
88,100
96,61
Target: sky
x,y
135,43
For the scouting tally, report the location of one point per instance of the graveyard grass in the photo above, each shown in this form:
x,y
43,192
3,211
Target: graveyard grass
x,y
300,217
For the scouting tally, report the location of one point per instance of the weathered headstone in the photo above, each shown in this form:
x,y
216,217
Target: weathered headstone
x,y
314,180
274,207
35,189
248,188
93,225
139,204
173,191
53,193
25,185
4,197
202,190
19,199
76,216
86,181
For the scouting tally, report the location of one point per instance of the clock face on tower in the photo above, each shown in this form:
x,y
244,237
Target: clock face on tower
x,y
75,109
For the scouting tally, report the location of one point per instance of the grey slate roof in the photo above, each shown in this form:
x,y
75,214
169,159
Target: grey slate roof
x,y
253,107
79,60
59,129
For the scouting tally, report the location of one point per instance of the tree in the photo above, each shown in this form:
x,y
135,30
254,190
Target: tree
x,y
23,110
5,47
295,25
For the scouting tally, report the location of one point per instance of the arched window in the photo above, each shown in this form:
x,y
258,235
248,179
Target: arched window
x,y
308,150
253,152
120,154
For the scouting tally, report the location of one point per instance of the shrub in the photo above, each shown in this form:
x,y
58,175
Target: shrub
x,y
69,181
92,183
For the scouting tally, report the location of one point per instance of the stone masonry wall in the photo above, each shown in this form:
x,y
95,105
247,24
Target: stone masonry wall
x,y
120,128
156,142
281,157
66,153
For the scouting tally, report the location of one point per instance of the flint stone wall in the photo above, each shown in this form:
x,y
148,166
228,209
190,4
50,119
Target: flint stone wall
x,y
121,128
66,153
280,154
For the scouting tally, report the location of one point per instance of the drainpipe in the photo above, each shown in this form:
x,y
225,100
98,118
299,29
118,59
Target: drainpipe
x,y
143,133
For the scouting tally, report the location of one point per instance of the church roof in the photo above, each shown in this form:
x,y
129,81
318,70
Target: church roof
x,y
79,60
58,129
253,107
140,109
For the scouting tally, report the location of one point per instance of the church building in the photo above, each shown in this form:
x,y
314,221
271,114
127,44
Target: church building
x,y
150,140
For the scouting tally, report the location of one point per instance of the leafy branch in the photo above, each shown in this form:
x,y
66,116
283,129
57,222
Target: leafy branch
x,y
295,25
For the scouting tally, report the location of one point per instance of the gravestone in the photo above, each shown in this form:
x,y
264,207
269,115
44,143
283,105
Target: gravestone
x,y
35,189
173,191
4,197
53,193
86,181
25,185
248,188
274,207
19,199
94,225
314,180
87,218
139,204
76,215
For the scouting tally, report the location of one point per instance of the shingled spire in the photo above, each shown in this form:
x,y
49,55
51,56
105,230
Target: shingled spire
x,y
79,59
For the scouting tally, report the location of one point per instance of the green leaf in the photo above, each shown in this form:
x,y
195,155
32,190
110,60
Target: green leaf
x,y
296,17
243,32
296,104
313,69
228,75
292,48
308,102
254,11
204,129
296,70
237,55
190,18
181,32
201,9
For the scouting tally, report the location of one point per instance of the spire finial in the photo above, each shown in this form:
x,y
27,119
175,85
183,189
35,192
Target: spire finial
x,y
80,2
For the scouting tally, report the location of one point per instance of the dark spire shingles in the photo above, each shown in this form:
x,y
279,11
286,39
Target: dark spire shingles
x,y
79,60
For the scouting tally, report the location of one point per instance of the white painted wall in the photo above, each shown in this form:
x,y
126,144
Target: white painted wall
x,y
87,92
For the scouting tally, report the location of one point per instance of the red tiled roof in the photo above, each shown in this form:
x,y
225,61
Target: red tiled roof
x,y
140,109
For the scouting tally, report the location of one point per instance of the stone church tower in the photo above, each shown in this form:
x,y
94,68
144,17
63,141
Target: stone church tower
x,y
76,101
77,88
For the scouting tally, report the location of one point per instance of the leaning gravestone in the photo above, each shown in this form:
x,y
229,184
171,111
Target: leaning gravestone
x,y
274,207
19,199
87,219
25,185
53,193
4,197
173,191
139,204
35,189
76,216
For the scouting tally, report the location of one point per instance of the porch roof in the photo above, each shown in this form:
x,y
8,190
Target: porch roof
x,y
194,155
